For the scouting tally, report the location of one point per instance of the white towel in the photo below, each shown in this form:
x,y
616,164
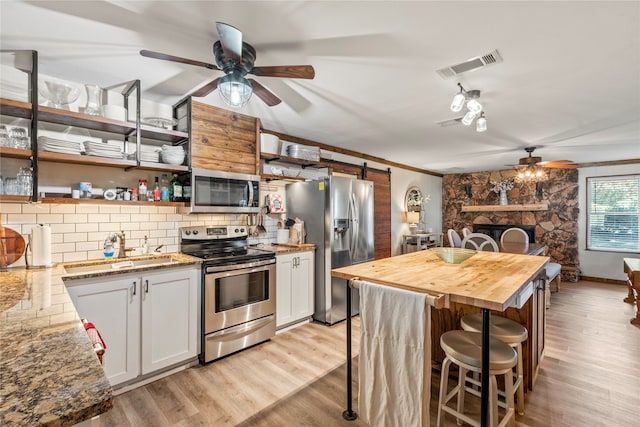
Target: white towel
x,y
395,357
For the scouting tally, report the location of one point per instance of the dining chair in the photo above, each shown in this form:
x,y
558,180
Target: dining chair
x,y
454,238
514,235
466,232
480,242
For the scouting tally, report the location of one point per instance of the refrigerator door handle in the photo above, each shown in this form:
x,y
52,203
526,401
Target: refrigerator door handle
x,y
353,213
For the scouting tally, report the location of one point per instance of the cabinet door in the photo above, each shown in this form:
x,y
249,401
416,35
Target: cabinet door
x,y
113,306
284,283
169,317
303,285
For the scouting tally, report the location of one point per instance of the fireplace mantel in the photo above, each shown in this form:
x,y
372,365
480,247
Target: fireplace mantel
x,y
507,208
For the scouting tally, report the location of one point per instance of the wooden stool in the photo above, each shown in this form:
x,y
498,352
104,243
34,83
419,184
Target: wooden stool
x,y
509,332
465,350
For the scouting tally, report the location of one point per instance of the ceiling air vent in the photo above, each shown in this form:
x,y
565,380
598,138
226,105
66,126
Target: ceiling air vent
x,y
492,57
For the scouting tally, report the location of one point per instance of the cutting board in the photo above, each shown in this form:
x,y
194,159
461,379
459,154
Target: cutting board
x,y
12,246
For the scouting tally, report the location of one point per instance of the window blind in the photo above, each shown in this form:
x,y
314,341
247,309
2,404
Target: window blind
x,y
613,210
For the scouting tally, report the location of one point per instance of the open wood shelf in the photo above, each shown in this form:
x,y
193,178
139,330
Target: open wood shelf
x,y
20,109
9,107
8,198
70,201
15,153
162,167
269,157
507,208
268,177
48,156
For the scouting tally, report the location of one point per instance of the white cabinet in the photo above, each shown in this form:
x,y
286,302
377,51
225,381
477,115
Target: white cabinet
x,y
148,320
295,287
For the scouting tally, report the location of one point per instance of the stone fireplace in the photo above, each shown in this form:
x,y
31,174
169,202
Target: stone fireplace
x,y
555,225
496,230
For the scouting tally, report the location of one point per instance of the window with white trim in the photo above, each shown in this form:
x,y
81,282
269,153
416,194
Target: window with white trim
x,y
613,213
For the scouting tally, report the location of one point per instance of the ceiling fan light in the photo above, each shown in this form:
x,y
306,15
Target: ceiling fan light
x,y
458,102
474,106
235,90
481,124
468,118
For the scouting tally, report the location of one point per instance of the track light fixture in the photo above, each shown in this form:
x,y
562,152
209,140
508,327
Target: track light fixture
x,y
470,97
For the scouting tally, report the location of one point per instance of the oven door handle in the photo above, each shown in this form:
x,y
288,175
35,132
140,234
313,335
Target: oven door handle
x,y
239,266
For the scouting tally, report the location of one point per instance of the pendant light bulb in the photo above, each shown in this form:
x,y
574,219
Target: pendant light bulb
x,y
474,106
468,118
481,123
458,102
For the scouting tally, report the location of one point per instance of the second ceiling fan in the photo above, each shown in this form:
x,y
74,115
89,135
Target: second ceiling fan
x,y
235,58
537,161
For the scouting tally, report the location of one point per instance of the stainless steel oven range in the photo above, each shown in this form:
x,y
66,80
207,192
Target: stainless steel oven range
x,y
238,289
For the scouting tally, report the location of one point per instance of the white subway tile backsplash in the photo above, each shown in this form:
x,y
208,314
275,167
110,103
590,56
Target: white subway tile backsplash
x,y
63,228
87,208
130,209
108,226
18,218
7,208
88,246
139,217
75,237
120,217
78,231
74,256
100,218
35,208
46,218
75,218
87,227
63,209
111,209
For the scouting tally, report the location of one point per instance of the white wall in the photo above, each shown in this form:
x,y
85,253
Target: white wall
x,y
606,265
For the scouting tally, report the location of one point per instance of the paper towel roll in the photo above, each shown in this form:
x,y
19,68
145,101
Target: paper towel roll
x,y
40,246
282,236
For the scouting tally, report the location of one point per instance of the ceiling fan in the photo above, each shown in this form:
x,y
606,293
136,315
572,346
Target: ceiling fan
x,y
235,58
532,161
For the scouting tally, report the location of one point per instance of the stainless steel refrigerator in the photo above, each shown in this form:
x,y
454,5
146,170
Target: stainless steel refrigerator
x,y
338,218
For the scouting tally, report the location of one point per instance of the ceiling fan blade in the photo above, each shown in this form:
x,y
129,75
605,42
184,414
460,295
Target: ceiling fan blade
x,y
207,89
265,94
294,71
554,161
231,41
164,56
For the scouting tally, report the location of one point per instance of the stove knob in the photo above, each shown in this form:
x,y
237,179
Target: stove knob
x,y
195,232
187,232
242,230
236,230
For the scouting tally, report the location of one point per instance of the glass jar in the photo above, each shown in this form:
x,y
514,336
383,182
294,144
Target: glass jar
x,y
24,182
94,100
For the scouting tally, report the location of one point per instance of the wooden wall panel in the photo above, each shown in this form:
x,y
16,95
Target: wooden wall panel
x,y
382,212
224,140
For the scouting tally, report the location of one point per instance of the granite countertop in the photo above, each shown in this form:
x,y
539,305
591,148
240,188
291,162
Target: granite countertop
x,y
285,248
50,375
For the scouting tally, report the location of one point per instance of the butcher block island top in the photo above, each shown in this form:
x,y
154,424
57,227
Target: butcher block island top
x,y
489,280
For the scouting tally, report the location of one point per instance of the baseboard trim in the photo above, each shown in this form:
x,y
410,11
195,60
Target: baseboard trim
x,y
604,280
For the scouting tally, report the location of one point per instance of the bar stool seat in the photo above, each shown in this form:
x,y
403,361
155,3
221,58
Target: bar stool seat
x,y
464,349
509,332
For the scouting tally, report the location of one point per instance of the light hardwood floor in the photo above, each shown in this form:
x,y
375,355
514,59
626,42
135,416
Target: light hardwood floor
x,y
590,376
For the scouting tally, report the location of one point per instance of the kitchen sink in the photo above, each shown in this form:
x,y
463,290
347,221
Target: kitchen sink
x,y
116,265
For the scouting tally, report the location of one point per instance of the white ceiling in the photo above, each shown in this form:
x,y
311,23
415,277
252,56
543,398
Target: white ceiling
x,y
569,83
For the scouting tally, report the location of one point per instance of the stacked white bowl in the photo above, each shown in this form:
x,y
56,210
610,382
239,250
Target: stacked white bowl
x,y
173,155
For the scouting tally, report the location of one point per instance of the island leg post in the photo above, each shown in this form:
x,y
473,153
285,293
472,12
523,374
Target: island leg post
x,y
349,414
486,345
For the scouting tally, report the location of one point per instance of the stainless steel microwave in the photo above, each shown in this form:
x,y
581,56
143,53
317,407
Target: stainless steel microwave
x,y
224,192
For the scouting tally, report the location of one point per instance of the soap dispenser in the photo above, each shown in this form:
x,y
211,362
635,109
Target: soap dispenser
x,y
145,246
108,248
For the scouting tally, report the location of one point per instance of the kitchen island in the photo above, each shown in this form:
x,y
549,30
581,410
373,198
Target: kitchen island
x,y
487,280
